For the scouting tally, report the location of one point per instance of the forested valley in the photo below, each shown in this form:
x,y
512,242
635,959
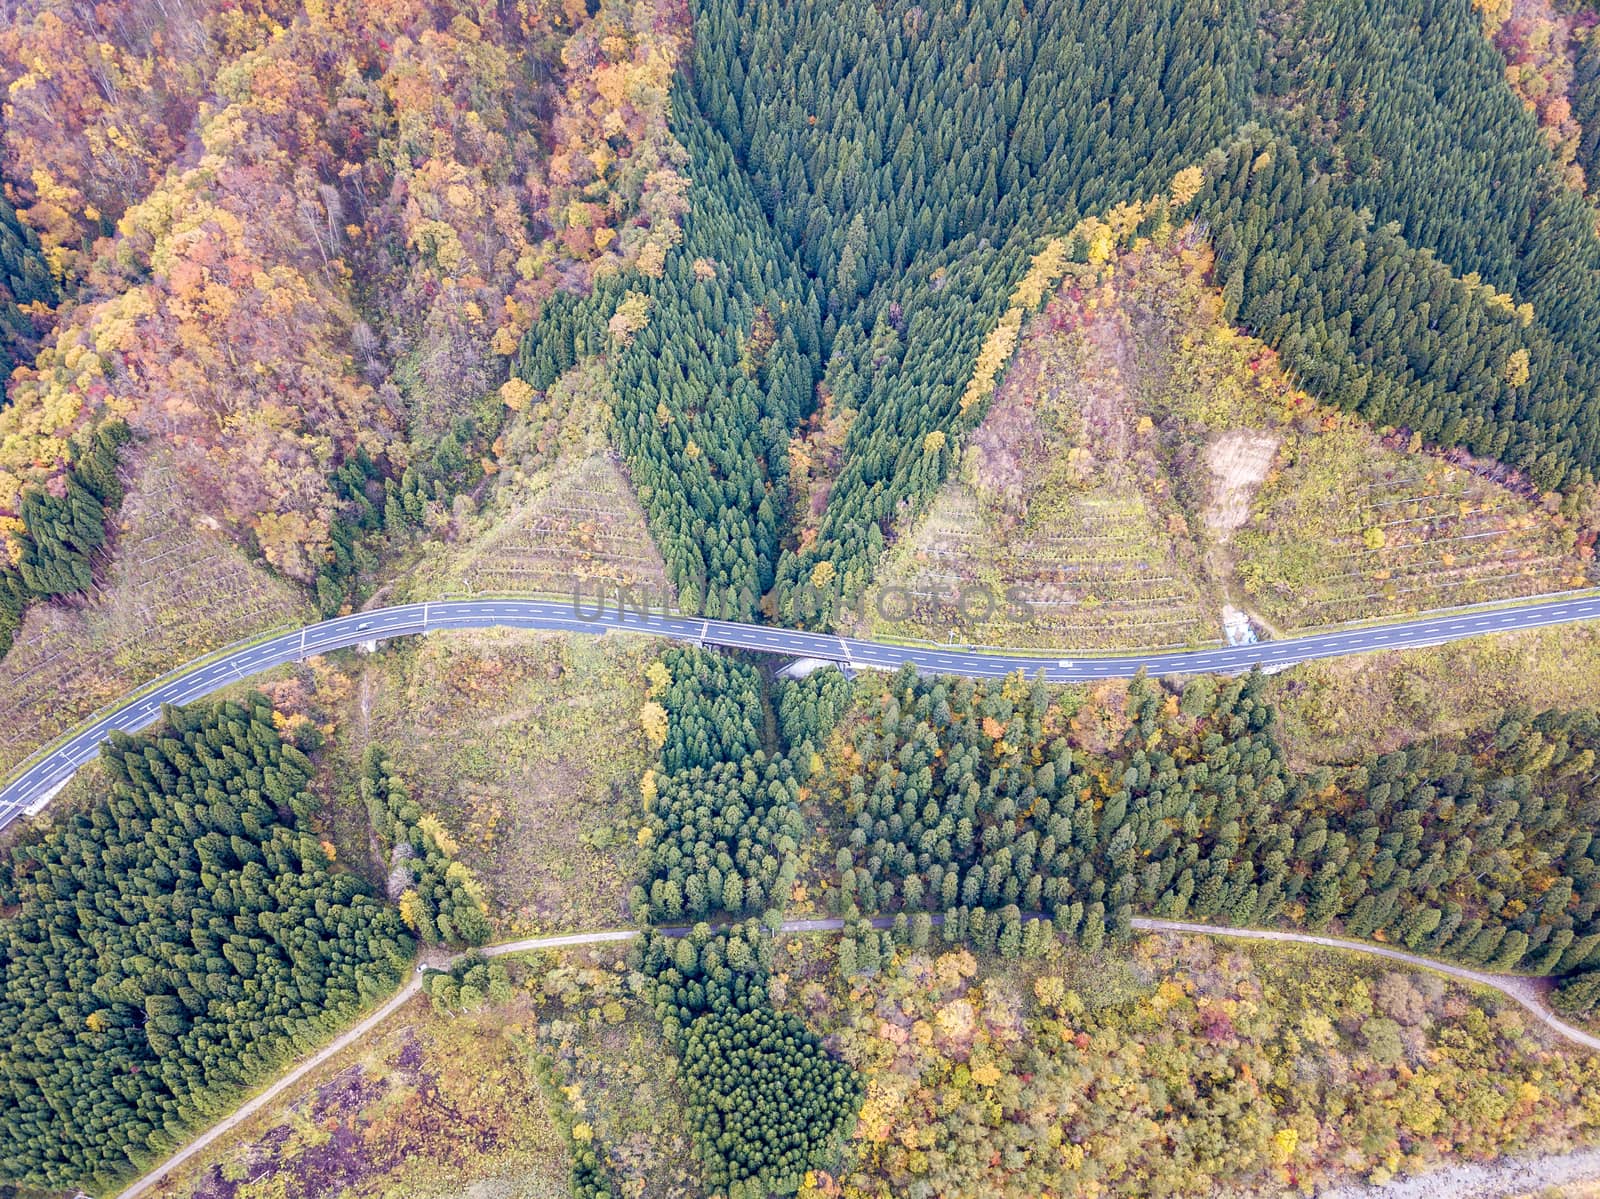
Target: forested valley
x,y
996,807
912,161
327,262
1006,816
187,932
795,239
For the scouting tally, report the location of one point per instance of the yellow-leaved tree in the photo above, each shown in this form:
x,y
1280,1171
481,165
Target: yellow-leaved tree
x,y
653,719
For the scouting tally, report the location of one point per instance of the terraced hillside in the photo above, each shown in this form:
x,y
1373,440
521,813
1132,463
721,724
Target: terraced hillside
x,y
1143,465
563,515
1095,571
1347,528
176,588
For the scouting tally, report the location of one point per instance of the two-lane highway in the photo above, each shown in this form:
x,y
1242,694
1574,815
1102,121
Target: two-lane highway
x,y
46,775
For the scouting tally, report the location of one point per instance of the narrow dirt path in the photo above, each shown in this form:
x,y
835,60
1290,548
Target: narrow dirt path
x,y
339,1044
228,1123
366,705
1519,988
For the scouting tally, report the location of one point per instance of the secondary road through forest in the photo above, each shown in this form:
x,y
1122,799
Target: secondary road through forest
x,y
44,775
1516,987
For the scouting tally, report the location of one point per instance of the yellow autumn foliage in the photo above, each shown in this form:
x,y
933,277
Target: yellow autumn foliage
x,y
653,719
994,354
630,318
1186,185
1284,1142
1517,368
516,394
436,832
1043,274
410,909
658,678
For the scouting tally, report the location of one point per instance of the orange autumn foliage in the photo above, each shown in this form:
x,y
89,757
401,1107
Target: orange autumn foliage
x,y
289,234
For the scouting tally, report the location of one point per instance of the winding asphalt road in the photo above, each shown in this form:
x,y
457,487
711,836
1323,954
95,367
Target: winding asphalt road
x,y
44,776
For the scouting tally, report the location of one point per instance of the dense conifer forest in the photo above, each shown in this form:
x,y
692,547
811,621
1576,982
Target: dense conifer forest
x,y
25,280
994,807
1419,261
1586,103
766,1102
62,532
171,945
722,831
969,800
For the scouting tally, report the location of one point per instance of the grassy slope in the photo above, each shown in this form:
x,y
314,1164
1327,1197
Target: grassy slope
x,y
1062,493
175,589
449,1104
1347,528
1142,464
528,747
561,511
1349,707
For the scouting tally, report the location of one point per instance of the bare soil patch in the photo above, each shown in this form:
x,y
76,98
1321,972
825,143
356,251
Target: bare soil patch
x,y
1239,461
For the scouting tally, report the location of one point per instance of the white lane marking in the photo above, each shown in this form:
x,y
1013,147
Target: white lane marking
x,y
332,635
